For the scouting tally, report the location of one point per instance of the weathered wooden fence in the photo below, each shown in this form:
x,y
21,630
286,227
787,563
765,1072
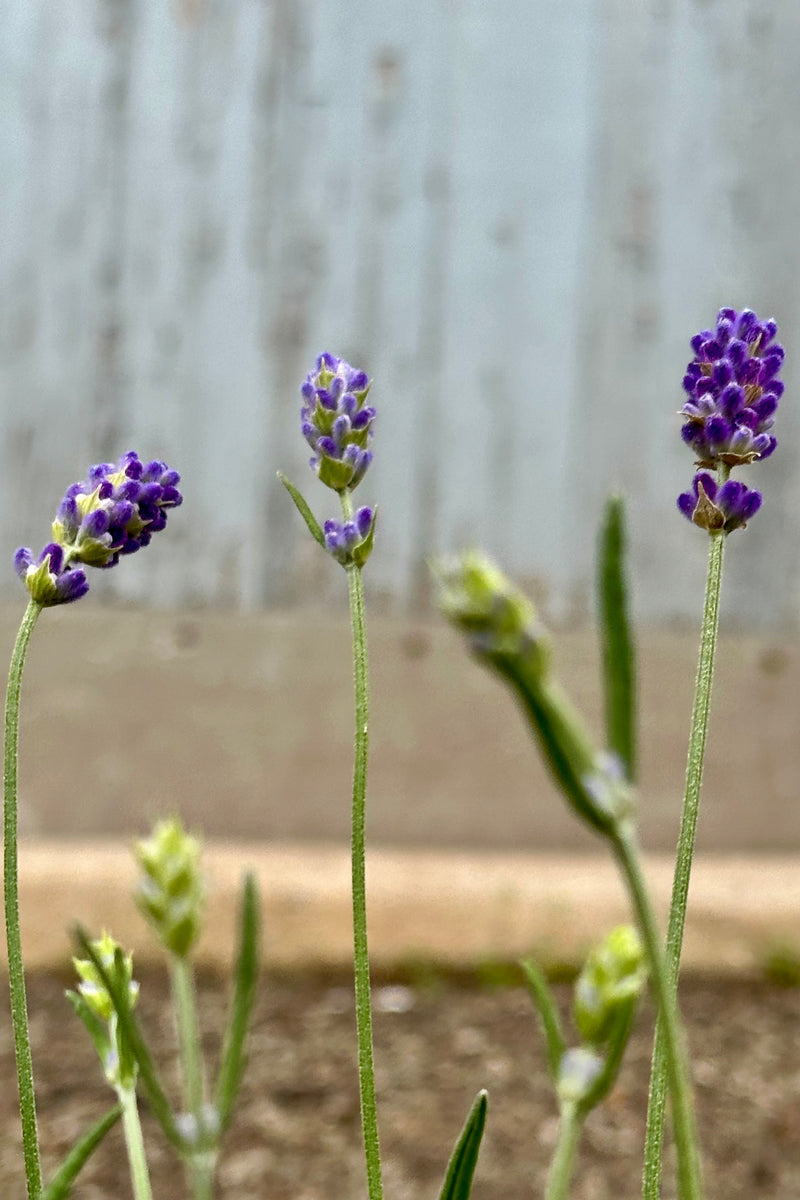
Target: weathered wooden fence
x,y
513,214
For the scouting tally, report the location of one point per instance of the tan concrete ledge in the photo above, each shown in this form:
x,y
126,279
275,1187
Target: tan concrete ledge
x,y
456,909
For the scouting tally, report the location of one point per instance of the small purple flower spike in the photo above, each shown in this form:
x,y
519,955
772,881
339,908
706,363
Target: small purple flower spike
x,y
733,390
336,422
46,578
719,508
350,542
115,511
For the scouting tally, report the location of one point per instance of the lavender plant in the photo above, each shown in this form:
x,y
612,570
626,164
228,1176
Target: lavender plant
x,y
93,1004
114,512
733,391
171,894
337,421
605,1000
505,633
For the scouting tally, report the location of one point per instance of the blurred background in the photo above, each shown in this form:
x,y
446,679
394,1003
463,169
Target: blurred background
x,y
514,216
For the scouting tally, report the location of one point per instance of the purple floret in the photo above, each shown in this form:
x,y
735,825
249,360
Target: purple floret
x,y
718,507
57,584
351,541
733,390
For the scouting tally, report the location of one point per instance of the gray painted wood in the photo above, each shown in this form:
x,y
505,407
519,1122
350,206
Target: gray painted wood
x,y
514,215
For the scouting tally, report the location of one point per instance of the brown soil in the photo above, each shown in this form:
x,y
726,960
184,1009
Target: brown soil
x,y
296,1136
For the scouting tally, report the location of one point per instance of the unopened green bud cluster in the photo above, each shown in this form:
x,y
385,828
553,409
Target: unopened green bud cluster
x,y
171,891
498,619
92,988
605,999
613,977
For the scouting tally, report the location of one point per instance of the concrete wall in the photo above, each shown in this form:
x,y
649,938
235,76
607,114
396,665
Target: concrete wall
x,y
513,214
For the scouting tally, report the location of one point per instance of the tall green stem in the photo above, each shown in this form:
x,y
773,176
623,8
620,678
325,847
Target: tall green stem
x,y
563,1164
654,1140
677,1071
201,1166
134,1144
16,972
366,1070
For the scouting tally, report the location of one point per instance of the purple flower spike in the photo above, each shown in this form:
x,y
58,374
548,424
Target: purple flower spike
x,y
336,422
733,390
719,508
351,542
115,511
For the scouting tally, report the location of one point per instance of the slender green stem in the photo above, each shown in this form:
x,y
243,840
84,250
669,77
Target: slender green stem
x,y
188,1026
134,1143
366,1071
563,1164
689,1176
16,972
201,1166
654,1139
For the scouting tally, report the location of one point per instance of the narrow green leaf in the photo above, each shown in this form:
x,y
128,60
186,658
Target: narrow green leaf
x,y
233,1058
619,666
461,1168
128,1025
302,507
548,1014
60,1185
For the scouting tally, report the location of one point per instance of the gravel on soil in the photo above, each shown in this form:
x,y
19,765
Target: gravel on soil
x,y
296,1135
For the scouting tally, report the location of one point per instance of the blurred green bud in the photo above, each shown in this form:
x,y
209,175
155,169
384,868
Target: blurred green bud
x,y
498,619
578,1073
609,985
171,890
92,988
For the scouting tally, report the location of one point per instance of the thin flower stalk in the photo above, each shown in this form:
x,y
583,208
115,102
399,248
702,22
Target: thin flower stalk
x,y
16,971
336,420
733,392
366,1069
115,511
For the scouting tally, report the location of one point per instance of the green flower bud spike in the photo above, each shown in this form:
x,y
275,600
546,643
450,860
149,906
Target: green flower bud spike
x,y
606,994
93,1001
171,891
94,1005
609,985
503,630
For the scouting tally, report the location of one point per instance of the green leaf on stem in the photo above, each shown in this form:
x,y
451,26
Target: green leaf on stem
x,y
302,507
128,1026
60,1185
461,1168
246,978
619,665
548,1014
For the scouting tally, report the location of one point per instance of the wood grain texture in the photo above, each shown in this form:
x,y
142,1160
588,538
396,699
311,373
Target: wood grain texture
x,y
513,215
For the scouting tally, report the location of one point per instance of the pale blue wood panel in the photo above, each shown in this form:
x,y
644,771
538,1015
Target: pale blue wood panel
x,y
514,215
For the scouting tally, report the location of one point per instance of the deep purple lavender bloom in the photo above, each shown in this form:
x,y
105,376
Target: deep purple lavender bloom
x,y
714,507
336,422
47,579
115,511
350,542
733,390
